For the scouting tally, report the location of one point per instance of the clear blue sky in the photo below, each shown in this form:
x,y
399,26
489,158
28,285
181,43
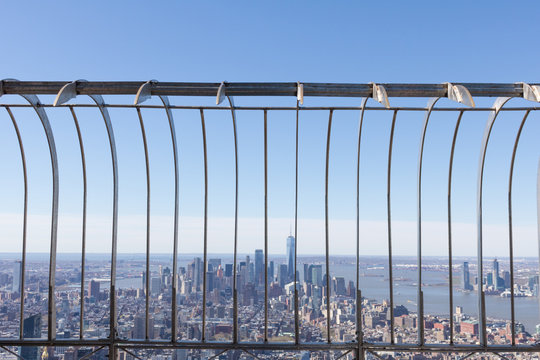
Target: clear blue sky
x,y
459,41
334,41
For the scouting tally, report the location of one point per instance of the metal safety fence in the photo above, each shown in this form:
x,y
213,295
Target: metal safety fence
x,y
359,346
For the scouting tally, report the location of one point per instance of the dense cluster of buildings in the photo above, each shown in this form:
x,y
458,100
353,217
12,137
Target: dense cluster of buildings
x,y
219,278
496,282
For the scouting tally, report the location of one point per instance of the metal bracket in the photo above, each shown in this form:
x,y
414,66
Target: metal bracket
x,y
460,94
379,94
531,92
145,92
67,92
221,93
300,92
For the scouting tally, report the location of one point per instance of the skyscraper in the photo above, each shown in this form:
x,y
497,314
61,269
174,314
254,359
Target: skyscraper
x,y
31,330
496,280
307,273
466,277
17,270
93,289
138,327
228,270
506,278
271,272
290,256
316,275
143,279
282,274
339,285
198,275
155,286
259,267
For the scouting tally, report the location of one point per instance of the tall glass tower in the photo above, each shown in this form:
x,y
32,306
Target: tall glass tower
x,y
259,267
496,274
466,277
290,256
17,270
31,330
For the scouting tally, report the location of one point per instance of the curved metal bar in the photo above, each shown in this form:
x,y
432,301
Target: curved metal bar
x,y
449,223
84,208
329,340
510,225
266,225
420,297
114,237
205,225
359,331
148,274
25,217
538,217
235,291
36,104
389,225
499,103
174,320
67,92
458,93
296,316
145,93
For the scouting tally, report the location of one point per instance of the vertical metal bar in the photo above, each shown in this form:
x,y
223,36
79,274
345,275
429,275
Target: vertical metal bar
x,y
296,317
510,227
389,224
449,223
538,221
499,103
25,218
174,325
359,332
114,237
360,349
148,274
266,225
83,240
205,225
328,337
235,292
420,340
51,311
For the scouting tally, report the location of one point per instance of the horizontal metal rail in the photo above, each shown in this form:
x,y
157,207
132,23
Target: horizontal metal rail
x,y
257,89
285,346
283,108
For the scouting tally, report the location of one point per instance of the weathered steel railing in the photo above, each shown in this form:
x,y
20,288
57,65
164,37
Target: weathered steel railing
x,y
460,93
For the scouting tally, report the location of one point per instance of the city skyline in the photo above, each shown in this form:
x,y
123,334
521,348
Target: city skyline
x,y
312,285
298,180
